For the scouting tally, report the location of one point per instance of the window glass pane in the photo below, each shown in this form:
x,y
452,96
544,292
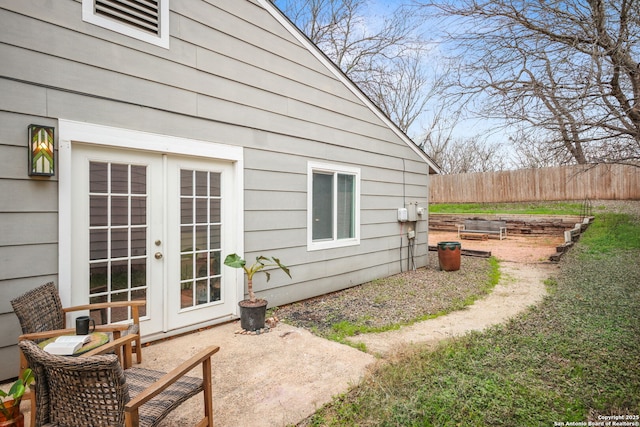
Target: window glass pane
x,y
214,289
186,266
186,183
215,210
138,241
120,178
214,235
98,177
138,179
214,185
202,234
345,203
97,244
186,238
202,214
98,211
98,278
119,210
214,263
322,206
119,243
138,273
118,314
119,275
138,210
186,295
140,295
201,292
186,211
201,183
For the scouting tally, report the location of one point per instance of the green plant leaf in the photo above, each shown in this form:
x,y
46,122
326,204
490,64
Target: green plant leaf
x,y
235,261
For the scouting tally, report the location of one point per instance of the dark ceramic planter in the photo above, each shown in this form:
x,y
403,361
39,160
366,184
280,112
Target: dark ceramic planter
x,y
252,315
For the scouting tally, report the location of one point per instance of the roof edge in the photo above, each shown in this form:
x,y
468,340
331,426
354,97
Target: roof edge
x,y
336,71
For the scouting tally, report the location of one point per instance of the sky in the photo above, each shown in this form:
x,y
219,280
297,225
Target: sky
x,y
463,129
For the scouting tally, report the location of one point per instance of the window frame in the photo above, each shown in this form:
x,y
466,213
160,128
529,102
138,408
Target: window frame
x,y
161,40
335,170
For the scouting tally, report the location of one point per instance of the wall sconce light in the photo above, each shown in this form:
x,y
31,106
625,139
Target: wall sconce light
x,y
41,154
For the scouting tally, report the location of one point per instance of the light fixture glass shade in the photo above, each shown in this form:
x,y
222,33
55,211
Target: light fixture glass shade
x,y
41,150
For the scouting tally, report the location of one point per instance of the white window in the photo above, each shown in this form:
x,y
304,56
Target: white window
x,y
333,207
146,20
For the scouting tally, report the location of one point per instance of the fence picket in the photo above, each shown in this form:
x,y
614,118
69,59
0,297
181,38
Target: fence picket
x,y
605,182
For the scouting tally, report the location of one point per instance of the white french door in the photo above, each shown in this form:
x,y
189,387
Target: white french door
x,y
199,209
153,227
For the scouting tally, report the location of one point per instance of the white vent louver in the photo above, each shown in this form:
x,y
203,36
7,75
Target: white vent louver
x,y
141,14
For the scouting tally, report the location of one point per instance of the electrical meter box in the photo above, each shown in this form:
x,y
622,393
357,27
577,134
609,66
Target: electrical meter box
x,y
402,215
412,211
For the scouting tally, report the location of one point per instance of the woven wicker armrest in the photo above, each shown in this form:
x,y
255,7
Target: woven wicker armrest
x,y
120,346
203,357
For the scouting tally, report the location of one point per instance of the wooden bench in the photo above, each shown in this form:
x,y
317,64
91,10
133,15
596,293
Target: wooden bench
x,y
482,227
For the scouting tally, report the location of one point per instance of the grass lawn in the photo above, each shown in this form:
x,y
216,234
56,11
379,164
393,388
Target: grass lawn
x,y
573,359
533,208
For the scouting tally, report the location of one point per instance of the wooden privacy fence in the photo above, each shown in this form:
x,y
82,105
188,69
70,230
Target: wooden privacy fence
x,y
604,182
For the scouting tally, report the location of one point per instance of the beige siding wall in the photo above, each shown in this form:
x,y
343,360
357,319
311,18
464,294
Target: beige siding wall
x,y
605,182
232,75
28,227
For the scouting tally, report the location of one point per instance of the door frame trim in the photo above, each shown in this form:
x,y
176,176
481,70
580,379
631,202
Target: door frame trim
x,y
92,134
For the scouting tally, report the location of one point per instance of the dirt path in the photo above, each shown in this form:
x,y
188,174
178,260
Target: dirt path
x,y
520,286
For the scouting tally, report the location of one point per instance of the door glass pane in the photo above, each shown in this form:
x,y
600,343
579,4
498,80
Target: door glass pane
x,y
98,179
98,206
322,206
119,242
200,240
98,244
119,210
119,178
117,237
119,275
138,210
98,278
138,180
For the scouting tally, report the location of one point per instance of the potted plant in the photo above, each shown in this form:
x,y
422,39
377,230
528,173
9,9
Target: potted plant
x,y
254,310
10,414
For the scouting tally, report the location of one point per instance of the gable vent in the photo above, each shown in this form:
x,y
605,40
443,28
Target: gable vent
x,y
141,14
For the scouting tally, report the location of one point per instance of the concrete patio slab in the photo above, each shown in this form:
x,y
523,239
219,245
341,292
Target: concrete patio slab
x,y
272,379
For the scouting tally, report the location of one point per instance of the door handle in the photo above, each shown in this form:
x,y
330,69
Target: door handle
x,y
158,255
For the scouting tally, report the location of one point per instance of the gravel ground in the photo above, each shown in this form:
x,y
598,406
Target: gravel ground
x,y
399,299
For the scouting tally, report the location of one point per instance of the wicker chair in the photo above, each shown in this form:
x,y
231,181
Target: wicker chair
x,y
95,390
40,310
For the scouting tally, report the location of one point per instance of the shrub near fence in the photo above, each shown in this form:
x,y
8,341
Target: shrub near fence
x,y
602,182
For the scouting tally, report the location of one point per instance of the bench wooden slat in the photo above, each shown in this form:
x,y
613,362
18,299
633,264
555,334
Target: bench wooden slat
x,y
483,226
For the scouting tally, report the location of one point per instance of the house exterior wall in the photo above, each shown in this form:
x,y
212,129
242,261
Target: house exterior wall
x,y
234,75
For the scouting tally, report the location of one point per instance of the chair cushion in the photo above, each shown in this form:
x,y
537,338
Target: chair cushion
x,y
159,407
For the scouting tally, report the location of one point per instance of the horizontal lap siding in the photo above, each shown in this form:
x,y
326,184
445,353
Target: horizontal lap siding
x,y
232,75
28,219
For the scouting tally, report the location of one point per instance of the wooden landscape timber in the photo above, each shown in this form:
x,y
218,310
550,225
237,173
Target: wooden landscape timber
x,y
467,252
516,224
569,226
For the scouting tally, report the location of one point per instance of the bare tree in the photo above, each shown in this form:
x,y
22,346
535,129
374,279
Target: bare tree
x,y
382,55
464,155
566,71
